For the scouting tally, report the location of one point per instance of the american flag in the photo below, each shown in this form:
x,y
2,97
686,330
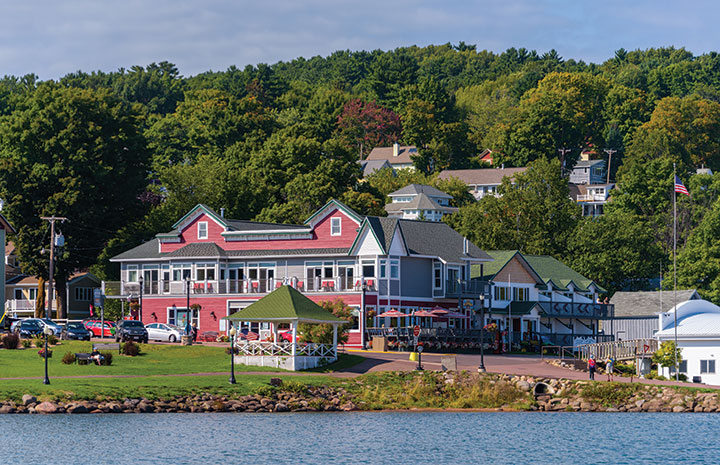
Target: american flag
x,y
679,187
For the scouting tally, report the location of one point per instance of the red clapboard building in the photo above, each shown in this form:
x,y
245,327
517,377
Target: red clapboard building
x,y
373,264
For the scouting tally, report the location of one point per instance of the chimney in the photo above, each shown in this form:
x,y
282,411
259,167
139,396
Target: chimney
x,y
396,149
222,212
466,247
502,166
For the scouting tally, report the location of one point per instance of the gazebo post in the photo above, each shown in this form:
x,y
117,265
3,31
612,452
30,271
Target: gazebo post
x,y
335,340
294,338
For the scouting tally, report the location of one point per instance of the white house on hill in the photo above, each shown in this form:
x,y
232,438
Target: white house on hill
x,y
419,202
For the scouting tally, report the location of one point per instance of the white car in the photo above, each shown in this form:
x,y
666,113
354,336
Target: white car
x,y
164,332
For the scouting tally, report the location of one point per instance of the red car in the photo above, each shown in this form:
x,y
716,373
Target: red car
x,y
94,327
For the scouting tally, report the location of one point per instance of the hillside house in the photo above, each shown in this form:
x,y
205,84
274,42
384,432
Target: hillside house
x,y
419,202
398,156
482,182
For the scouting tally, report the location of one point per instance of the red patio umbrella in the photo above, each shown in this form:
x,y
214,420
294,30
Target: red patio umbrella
x,y
439,311
424,313
392,313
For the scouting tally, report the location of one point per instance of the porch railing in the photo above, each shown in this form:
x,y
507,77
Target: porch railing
x,y
466,288
270,349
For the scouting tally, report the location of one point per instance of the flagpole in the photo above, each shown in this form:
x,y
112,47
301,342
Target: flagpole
x,y
677,376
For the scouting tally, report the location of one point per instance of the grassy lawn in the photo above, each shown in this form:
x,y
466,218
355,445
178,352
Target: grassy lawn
x,y
154,362
155,359
150,387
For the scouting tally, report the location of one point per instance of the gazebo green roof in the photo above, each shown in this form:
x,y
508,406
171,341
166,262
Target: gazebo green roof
x,y
285,305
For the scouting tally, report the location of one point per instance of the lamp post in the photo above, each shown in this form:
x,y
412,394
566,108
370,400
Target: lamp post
x,y
47,330
481,368
141,280
233,332
188,328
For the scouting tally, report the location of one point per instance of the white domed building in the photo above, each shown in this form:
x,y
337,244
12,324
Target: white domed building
x,y
698,335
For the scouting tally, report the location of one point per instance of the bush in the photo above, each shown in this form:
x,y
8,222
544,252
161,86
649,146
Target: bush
x,y
38,342
69,358
294,386
264,391
52,339
26,343
107,358
131,349
11,341
41,353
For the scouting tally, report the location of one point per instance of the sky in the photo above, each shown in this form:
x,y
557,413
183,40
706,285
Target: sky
x,y
52,38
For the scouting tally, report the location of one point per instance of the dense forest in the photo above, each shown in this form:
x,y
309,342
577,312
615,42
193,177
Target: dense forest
x,y
124,154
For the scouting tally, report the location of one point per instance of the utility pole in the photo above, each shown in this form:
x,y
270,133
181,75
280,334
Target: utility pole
x,y
610,154
51,274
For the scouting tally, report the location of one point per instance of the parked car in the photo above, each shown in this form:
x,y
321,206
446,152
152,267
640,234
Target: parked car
x,y
57,329
93,325
27,328
287,336
131,330
76,331
164,332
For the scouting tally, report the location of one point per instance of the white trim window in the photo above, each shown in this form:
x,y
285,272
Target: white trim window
x,y
84,294
202,230
501,293
335,226
394,269
707,366
180,271
132,273
437,276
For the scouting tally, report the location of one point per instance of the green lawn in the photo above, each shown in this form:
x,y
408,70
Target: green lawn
x,y
154,360
151,387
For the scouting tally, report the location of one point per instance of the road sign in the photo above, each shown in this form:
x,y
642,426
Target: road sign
x,y
419,348
97,297
416,330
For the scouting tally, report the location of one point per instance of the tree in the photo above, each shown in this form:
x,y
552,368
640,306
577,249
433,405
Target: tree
x,y
617,250
666,353
698,262
365,125
534,213
323,333
73,153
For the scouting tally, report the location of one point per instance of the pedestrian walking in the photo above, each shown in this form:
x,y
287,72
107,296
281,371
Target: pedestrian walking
x,y
591,367
609,366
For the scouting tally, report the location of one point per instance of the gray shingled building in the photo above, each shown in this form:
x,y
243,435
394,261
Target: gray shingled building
x,y
636,313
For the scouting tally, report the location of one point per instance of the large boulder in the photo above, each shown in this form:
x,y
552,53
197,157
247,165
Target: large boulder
x,y
46,407
27,399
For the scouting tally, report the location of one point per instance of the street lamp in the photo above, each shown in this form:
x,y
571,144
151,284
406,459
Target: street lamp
x,y
47,330
481,368
188,328
141,280
233,332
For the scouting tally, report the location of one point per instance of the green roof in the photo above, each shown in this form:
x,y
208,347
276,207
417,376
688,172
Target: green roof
x,y
520,307
549,269
285,304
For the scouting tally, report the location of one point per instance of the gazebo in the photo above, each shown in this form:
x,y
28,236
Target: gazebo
x,y
285,305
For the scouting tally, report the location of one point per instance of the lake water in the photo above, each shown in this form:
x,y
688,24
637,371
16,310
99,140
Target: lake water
x,y
360,437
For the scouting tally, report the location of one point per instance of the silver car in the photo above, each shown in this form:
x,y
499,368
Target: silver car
x,y
164,332
57,329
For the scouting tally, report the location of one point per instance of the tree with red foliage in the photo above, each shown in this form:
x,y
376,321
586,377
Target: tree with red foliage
x,y
366,125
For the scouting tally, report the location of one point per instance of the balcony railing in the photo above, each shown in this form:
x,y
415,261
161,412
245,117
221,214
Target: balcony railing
x,y
238,286
591,198
577,310
466,288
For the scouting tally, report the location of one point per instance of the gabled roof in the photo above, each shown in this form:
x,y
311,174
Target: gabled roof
x,y
370,166
588,163
418,189
339,205
548,269
207,210
285,304
647,303
386,153
419,202
482,177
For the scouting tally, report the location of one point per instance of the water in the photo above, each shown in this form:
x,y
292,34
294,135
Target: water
x,y
360,437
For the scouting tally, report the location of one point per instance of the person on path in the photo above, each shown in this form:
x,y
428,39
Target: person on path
x,y
591,367
194,332
609,365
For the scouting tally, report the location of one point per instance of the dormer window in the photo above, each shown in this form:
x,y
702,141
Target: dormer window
x,y
202,230
335,227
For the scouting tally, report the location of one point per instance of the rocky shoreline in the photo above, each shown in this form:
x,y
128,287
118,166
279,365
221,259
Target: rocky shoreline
x,y
534,394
